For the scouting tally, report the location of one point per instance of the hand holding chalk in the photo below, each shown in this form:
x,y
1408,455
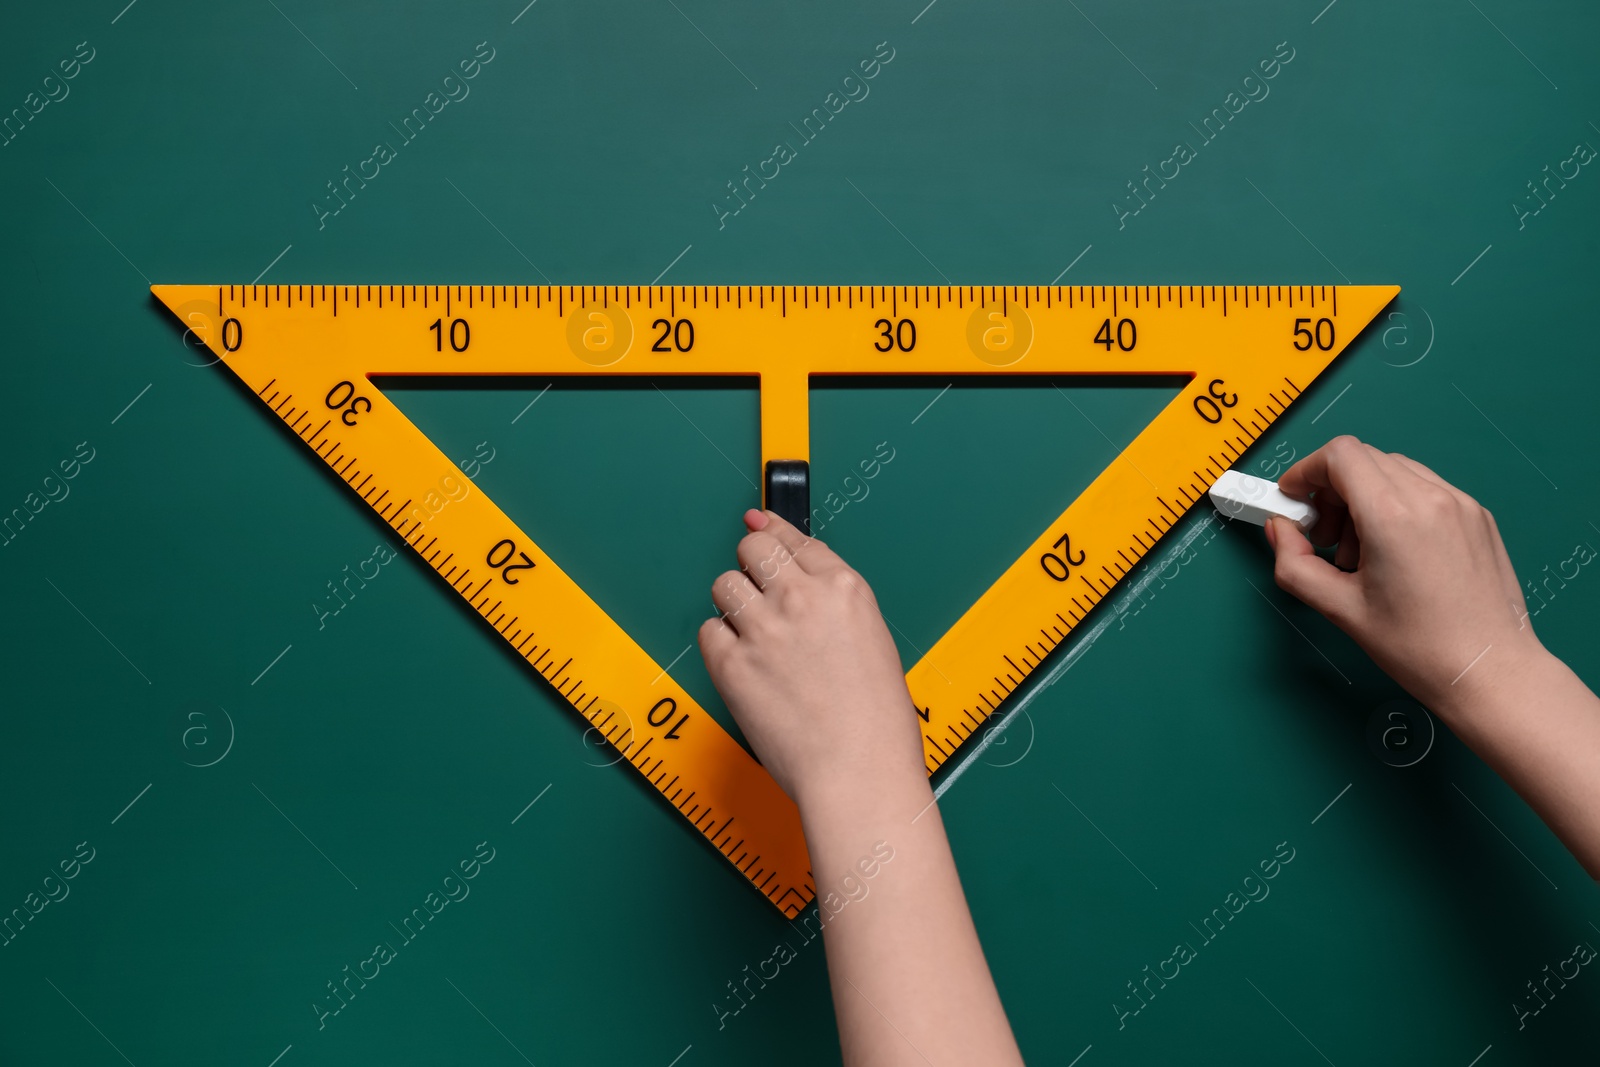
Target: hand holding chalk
x,y
1422,582
1420,578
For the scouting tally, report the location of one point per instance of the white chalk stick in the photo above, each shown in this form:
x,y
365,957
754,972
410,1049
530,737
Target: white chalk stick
x,y
1254,500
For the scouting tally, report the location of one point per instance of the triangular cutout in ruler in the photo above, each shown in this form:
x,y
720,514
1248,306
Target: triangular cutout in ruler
x,y
309,351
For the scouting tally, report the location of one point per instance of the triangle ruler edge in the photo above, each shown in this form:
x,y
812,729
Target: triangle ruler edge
x,y
309,352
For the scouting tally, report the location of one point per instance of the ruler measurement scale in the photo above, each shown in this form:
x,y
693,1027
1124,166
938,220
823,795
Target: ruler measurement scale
x,y
309,351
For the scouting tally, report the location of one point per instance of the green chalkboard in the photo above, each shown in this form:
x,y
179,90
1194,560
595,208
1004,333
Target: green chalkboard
x,y
220,793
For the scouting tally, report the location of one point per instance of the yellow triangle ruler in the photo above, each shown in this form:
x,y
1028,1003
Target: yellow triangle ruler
x,y
309,352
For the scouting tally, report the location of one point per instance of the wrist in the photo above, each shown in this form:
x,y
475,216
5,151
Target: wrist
x,y
1495,693
860,797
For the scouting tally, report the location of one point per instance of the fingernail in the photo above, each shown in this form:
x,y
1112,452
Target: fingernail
x,y
1272,532
755,520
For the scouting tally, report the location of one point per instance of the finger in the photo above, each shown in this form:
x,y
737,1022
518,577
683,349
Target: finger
x,y
1345,465
733,593
1347,557
1332,511
1304,574
717,636
813,556
860,586
1332,516
764,558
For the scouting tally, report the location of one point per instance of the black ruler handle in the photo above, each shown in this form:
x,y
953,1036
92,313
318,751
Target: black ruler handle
x,y
788,491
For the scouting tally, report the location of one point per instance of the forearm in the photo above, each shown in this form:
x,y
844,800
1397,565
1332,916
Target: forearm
x,y
903,956
1538,726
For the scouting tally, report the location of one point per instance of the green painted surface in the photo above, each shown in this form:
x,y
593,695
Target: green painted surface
x,y
1197,733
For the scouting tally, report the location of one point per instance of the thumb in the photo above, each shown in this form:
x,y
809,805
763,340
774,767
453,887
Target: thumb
x,y
1302,573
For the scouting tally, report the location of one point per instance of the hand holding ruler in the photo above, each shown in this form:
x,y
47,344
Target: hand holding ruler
x,y
309,352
